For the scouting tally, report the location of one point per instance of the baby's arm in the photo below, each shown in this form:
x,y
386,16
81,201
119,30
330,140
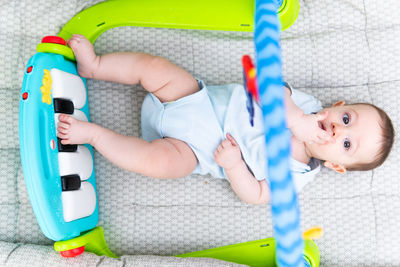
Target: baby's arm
x,y
243,183
246,186
305,127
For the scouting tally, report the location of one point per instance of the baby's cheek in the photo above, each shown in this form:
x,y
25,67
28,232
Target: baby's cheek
x,y
330,150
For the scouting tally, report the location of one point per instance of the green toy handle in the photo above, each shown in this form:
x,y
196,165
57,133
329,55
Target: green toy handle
x,y
224,15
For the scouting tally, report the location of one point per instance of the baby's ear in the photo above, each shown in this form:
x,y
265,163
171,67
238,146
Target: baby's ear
x,y
336,167
339,103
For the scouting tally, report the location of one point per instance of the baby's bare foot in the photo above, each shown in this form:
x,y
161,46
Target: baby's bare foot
x,y
73,131
84,54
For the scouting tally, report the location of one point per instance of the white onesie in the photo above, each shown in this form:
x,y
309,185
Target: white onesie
x,y
203,119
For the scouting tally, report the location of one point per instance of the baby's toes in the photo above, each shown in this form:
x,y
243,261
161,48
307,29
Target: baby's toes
x,y
73,42
62,136
63,118
63,130
76,36
65,141
63,125
75,39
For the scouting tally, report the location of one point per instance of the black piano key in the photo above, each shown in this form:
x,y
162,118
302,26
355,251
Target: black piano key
x,y
70,182
66,148
62,105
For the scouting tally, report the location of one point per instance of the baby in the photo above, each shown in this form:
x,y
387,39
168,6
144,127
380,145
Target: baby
x,y
189,127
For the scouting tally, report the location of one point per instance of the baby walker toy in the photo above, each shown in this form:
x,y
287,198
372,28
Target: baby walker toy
x,y
60,179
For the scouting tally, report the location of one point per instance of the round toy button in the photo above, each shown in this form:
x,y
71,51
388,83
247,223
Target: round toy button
x,y
53,40
72,252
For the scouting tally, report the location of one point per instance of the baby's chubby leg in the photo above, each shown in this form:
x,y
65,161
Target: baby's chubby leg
x,y
161,158
167,81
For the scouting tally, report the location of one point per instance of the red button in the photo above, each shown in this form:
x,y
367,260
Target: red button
x,y
52,144
25,96
53,40
29,69
72,252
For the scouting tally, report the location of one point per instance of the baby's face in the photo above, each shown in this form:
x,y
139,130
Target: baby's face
x,y
356,131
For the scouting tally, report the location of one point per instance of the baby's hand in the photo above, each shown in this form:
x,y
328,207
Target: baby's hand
x,y
308,129
228,155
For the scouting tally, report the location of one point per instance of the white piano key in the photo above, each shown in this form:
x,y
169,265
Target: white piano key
x,y
68,86
79,115
79,162
80,203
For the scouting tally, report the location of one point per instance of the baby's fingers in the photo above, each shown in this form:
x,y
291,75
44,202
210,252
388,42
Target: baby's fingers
x,y
324,137
225,144
231,139
215,154
219,148
322,115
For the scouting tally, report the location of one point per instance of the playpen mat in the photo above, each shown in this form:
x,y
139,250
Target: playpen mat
x,y
336,50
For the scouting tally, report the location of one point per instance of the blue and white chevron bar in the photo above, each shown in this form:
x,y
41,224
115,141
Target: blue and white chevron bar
x,y
285,210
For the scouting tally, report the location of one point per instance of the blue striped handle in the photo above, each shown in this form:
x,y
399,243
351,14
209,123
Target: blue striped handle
x,y
285,210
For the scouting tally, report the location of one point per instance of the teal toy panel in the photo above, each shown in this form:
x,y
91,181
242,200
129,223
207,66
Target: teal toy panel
x,y
60,179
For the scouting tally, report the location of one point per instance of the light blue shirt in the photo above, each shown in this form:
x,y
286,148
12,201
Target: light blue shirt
x,y
203,119
251,139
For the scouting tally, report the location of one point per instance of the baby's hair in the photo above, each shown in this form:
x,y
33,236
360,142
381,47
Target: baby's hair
x,y
386,143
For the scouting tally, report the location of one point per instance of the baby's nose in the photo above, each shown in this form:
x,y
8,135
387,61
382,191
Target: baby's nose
x,y
336,129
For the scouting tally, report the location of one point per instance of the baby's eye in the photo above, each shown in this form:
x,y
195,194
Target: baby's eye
x,y
346,144
346,118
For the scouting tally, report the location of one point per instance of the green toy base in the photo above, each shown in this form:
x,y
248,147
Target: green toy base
x,y
260,253
93,241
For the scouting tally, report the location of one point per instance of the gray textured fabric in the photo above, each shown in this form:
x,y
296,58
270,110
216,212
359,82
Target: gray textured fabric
x,y
336,50
21,255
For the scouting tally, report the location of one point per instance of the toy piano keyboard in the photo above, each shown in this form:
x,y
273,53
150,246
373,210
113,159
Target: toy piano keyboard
x,y
60,179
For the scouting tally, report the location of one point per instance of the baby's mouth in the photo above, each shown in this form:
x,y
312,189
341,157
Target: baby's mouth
x,y
328,130
321,125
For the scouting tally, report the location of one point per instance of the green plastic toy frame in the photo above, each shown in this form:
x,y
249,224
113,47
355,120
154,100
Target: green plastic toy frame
x,y
223,15
178,14
259,253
